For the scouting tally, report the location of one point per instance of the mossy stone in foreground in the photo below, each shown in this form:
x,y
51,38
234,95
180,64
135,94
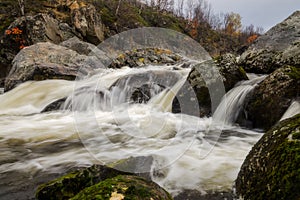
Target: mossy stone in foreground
x,y
272,168
124,187
69,185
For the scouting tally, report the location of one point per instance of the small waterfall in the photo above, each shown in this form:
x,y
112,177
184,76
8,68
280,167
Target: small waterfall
x,y
231,104
164,99
293,110
132,86
32,97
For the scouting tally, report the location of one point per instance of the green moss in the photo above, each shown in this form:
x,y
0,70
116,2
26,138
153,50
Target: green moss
x,y
271,170
295,73
130,187
69,185
242,71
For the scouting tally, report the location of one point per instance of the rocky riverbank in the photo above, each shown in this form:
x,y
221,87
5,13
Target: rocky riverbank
x,y
58,50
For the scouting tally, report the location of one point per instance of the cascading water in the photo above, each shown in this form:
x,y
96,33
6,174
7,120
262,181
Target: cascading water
x,y
102,123
293,110
231,104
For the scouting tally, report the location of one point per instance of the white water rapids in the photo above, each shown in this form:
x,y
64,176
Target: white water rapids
x,y
188,151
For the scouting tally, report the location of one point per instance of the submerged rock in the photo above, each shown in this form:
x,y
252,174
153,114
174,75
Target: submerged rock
x,y
271,98
271,170
196,195
48,61
56,105
278,46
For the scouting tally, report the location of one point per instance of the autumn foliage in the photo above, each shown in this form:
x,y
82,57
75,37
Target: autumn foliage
x,y
16,35
251,38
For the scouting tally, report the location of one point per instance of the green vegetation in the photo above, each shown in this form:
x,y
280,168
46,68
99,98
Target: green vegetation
x,y
271,170
295,73
100,182
124,187
69,185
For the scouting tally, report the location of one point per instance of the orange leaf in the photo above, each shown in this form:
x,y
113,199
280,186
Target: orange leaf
x,y
8,32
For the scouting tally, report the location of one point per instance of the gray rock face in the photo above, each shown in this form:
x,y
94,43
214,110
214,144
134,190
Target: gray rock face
x,y
277,47
271,98
88,23
39,28
81,47
43,28
271,169
48,61
230,71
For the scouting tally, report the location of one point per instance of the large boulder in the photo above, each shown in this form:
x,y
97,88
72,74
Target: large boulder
x,y
271,169
195,96
48,61
25,31
270,99
100,182
69,185
124,187
276,47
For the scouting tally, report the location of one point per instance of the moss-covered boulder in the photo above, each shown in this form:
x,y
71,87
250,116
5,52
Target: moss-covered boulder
x,y
69,185
124,187
272,168
273,96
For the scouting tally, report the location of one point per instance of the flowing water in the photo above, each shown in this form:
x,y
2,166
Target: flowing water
x,y
293,110
100,123
233,101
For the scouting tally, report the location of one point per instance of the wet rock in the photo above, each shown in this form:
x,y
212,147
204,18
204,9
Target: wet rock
x,y
48,61
140,166
270,99
275,48
100,182
124,187
56,105
206,80
271,169
71,184
141,87
196,195
230,71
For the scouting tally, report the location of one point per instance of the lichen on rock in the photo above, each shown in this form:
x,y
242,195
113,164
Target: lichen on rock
x,y
272,168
